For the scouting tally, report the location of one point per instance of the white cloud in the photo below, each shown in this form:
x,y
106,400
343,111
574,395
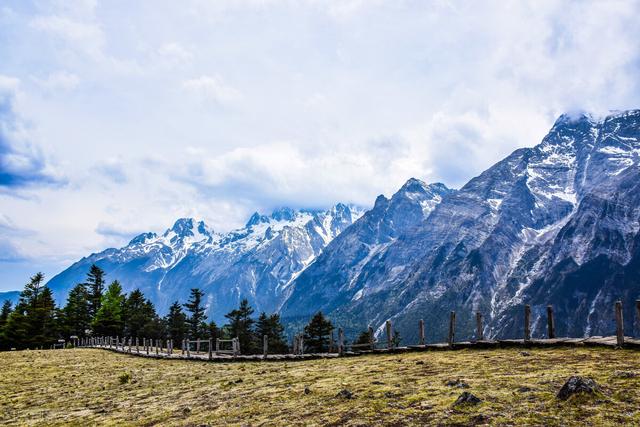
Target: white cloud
x,y
60,80
212,88
216,109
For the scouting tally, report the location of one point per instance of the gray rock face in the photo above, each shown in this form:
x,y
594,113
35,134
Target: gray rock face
x,y
553,224
257,261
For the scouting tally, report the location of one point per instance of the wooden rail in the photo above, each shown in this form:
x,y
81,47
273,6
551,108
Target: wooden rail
x,y
164,349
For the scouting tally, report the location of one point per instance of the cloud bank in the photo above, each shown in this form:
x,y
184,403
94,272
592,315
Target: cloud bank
x,y
116,119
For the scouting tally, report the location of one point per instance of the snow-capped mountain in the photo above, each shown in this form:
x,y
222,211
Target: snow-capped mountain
x,y
257,261
553,224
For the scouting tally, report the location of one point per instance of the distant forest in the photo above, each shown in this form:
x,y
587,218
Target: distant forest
x,y
95,309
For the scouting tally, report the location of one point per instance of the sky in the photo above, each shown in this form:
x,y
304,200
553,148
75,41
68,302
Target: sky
x,y
119,117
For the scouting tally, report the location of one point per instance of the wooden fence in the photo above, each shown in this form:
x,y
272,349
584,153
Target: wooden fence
x,y
230,348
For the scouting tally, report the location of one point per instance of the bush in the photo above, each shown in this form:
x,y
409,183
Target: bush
x,y
124,378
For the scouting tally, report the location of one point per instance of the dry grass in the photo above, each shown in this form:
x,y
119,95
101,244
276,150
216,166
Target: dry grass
x,y
86,387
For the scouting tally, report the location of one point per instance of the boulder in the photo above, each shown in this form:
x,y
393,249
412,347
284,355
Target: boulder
x,y
577,385
467,398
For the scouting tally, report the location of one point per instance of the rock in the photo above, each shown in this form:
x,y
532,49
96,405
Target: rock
x,y
345,394
458,383
419,362
524,389
625,374
389,394
307,390
467,398
377,383
575,385
238,381
525,353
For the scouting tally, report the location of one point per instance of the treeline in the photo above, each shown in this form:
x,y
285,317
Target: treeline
x,y
95,309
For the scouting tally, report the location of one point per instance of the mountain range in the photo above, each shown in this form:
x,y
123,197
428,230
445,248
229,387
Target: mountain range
x,y
556,224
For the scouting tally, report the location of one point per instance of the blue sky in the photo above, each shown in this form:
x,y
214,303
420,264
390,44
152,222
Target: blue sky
x,y
118,117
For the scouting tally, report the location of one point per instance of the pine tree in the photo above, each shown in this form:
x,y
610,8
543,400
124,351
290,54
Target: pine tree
x,y
109,319
34,322
76,314
139,316
317,332
363,338
273,329
213,331
241,326
95,287
5,312
196,321
176,322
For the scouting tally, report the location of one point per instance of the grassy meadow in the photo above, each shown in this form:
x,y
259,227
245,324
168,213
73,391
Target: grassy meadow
x,y
91,386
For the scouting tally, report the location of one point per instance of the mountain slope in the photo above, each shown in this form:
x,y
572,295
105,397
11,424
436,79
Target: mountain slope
x,y
257,261
512,235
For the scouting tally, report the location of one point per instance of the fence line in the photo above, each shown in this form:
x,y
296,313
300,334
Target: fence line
x,y
230,348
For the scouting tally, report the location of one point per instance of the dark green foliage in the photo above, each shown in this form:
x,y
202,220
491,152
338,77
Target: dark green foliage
x,y
273,329
34,322
77,313
95,288
213,331
317,333
363,338
176,322
196,321
241,326
140,318
6,310
109,319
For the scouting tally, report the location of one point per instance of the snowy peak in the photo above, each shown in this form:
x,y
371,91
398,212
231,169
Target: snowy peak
x,y
188,227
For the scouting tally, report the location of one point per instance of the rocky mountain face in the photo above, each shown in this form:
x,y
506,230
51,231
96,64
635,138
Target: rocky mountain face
x,y
553,224
258,261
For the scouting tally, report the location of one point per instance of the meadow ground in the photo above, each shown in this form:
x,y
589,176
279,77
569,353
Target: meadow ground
x,y
92,386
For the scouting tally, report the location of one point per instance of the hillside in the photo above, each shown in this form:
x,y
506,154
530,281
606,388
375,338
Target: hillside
x,y
516,388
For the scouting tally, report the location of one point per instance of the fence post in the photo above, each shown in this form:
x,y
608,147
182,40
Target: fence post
x,y
479,327
619,324
452,328
302,343
210,356
371,339
217,346
236,348
188,343
147,344
340,341
265,346
551,324
137,346
527,322
332,342
389,334
198,346
421,331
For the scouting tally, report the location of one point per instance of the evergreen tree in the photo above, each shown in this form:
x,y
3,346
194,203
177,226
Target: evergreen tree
x,y
4,317
213,331
196,321
317,332
273,329
109,319
176,322
34,322
363,338
6,310
76,314
140,316
95,287
241,326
